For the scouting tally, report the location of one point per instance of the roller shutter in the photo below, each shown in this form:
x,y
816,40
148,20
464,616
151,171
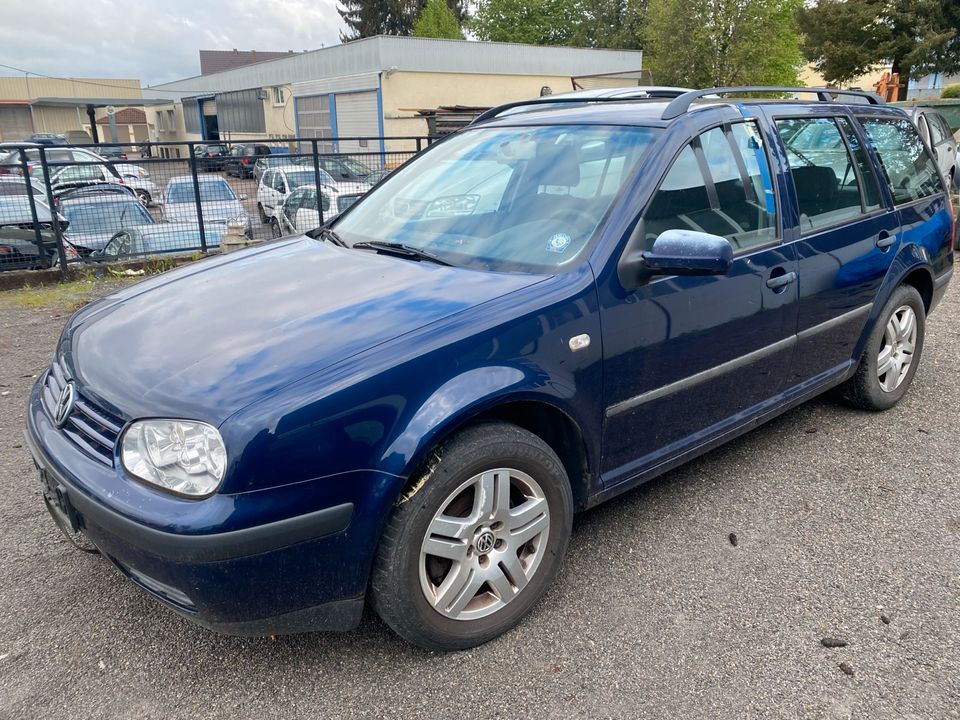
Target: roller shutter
x,y
15,123
358,116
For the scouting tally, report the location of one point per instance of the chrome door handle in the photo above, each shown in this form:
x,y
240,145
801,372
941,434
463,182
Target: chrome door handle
x,y
885,240
781,280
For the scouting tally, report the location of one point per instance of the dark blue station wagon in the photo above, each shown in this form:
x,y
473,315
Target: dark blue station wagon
x,y
562,301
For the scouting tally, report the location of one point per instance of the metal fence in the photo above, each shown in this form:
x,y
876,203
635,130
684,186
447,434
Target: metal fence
x,y
100,203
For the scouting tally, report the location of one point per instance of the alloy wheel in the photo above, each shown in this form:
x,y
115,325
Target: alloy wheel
x,y
484,544
896,350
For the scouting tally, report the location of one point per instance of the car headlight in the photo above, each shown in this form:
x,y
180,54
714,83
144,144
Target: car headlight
x,y
182,456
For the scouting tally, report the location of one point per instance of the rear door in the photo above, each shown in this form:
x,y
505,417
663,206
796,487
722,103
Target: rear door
x,y
271,197
686,358
847,237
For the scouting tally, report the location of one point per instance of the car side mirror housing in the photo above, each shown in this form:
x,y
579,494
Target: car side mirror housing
x,y
675,252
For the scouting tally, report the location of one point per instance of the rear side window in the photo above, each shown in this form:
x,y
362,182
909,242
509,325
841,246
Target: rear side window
x,y
909,170
719,184
827,184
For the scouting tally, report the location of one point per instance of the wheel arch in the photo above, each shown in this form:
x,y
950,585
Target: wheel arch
x,y
539,415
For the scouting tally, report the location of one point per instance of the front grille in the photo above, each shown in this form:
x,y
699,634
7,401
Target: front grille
x,y
89,427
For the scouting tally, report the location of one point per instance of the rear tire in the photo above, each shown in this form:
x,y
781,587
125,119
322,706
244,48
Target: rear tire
x,y
498,508
144,197
892,353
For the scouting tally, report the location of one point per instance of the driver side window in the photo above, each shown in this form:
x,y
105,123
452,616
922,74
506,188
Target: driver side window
x,y
718,184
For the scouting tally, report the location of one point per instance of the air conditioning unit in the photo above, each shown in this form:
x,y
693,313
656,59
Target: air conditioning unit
x,y
262,94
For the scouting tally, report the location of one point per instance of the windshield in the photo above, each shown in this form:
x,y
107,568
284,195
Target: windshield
x,y
105,217
209,192
513,199
296,178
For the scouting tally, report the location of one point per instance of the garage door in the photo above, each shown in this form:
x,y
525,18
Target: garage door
x,y
358,116
313,119
15,123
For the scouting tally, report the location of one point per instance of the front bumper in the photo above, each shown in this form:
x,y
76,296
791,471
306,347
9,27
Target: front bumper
x,y
299,573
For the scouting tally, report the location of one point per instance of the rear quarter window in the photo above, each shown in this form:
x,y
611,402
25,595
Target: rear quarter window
x,y
909,170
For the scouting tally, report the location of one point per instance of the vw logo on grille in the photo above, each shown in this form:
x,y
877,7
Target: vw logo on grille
x,y
68,396
485,542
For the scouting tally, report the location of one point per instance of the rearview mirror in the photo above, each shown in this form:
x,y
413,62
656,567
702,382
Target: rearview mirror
x,y
687,252
674,252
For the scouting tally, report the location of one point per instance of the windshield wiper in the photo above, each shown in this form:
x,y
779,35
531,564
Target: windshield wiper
x,y
330,235
408,251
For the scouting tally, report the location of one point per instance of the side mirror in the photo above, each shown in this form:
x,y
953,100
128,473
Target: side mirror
x,y
674,252
242,196
687,252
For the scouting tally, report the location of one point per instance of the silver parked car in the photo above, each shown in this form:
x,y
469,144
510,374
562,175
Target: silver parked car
x,y
218,203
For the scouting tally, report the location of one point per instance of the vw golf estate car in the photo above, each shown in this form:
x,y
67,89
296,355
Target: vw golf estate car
x,y
565,299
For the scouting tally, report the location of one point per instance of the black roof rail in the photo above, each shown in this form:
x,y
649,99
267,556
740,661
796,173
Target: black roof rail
x,y
680,105
570,99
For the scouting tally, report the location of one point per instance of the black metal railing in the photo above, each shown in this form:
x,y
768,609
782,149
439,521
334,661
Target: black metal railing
x,y
62,205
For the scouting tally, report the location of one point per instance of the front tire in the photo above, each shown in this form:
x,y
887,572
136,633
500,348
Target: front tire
x,y
264,218
467,555
892,354
144,197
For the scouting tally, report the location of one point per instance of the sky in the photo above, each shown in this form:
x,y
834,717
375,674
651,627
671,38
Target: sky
x,y
153,41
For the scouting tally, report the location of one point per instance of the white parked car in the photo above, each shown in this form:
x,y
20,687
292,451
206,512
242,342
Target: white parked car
x,y
218,202
299,213
276,184
138,179
936,132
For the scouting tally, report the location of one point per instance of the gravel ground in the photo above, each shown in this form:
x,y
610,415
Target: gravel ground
x,y
846,525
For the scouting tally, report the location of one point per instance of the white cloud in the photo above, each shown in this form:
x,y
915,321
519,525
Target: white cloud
x,y
154,41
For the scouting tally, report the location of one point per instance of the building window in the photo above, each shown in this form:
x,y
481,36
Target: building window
x,y
160,120
171,121
279,97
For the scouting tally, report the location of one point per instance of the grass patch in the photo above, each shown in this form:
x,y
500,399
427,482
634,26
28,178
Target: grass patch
x,y
65,295
86,284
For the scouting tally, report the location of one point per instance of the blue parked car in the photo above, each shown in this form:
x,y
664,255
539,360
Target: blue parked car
x,y
562,301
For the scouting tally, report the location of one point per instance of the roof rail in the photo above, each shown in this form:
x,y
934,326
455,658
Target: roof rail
x,y
681,104
640,93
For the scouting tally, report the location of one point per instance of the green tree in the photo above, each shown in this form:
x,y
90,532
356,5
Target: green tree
x,y
609,23
365,18
711,43
846,38
437,21
538,22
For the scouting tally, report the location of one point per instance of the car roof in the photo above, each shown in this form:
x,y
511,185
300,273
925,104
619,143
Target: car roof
x,y
94,198
622,106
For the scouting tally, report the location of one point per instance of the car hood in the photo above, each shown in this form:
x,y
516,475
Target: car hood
x,y
207,340
216,211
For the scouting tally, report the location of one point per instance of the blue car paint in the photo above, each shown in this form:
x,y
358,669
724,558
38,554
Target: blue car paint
x,y
333,374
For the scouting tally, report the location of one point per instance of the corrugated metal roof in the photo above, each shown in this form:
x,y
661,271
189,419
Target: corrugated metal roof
x,y
385,52
214,61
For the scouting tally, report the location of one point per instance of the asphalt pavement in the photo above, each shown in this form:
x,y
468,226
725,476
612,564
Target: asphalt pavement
x,y
704,594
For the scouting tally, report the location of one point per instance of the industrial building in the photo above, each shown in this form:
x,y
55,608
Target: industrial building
x,y
375,87
30,104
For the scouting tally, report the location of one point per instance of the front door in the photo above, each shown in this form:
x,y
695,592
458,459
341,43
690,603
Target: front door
x,y
686,358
